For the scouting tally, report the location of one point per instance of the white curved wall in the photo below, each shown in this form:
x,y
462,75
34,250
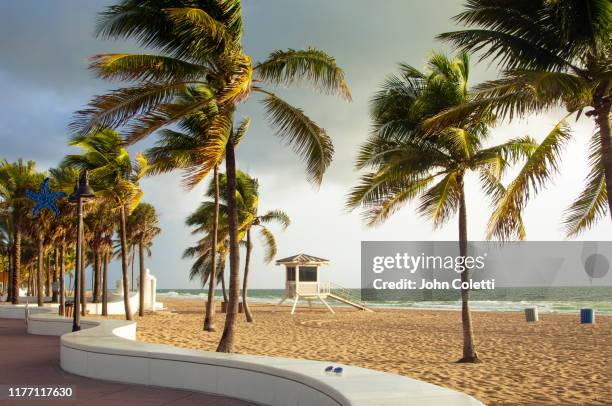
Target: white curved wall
x,y
115,306
106,349
10,311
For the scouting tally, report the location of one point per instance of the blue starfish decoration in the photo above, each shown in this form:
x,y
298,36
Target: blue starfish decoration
x,y
45,199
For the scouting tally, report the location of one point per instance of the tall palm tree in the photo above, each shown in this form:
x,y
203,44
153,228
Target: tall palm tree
x,y
63,178
145,222
189,150
407,163
114,177
555,53
15,179
200,45
253,220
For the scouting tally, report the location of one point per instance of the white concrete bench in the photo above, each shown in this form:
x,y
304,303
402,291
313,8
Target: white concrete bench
x,y
107,349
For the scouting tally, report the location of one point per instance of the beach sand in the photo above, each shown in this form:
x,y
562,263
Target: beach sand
x,y
556,361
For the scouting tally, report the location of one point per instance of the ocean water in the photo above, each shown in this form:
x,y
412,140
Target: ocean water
x,y
547,300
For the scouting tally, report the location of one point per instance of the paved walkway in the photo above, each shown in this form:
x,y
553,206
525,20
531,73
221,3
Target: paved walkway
x,y
27,360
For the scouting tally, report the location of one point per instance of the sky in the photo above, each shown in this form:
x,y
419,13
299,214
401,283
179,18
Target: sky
x,y
45,47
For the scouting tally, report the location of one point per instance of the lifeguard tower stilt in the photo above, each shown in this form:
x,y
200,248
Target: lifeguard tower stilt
x,y
302,282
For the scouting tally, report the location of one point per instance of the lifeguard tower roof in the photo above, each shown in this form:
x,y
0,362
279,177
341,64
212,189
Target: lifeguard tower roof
x,y
304,259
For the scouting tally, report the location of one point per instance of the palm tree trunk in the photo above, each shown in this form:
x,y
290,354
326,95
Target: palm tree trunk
x,y
124,264
30,290
132,255
223,290
105,285
48,276
227,339
603,122
469,350
247,261
39,273
209,317
16,265
55,274
96,276
82,282
9,287
62,276
142,276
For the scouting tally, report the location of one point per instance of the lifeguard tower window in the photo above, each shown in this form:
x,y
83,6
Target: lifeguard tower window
x,y
308,274
291,273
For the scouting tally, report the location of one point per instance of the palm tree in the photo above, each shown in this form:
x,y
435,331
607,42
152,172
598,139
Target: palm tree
x,y
15,179
115,178
200,45
145,224
260,221
407,163
555,53
63,178
189,151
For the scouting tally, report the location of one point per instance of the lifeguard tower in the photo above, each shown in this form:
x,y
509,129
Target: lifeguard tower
x,y
302,282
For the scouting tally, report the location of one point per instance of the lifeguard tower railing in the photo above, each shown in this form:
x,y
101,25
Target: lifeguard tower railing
x,y
305,289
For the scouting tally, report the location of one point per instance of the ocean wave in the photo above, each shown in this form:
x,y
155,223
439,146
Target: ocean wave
x,y
273,296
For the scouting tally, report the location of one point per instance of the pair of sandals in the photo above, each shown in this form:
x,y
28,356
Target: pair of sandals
x,y
334,370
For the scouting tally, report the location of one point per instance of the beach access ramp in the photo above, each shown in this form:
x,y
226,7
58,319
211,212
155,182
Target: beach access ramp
x,y
345,296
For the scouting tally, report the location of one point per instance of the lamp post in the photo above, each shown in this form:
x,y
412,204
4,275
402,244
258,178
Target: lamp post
x,y
82,191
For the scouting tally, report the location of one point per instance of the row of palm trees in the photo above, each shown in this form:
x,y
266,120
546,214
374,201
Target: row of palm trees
x,y
31,245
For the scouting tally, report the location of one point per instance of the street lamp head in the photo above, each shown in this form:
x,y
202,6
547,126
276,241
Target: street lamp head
x,y
84,191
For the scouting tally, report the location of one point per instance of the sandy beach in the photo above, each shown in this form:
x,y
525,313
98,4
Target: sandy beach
x,y
554,362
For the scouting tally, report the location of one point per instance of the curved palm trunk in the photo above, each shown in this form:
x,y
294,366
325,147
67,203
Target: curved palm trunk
x,y
247,261
16,266
209,317
105,285
124,265
39,274
603,122
469,349
227,339
142,276
62,276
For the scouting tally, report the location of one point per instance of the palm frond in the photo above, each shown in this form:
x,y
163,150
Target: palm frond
x,y
536,172
114,109
441,201
269,244
145,67
241,131
276,215
306,138
592,204
311,65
